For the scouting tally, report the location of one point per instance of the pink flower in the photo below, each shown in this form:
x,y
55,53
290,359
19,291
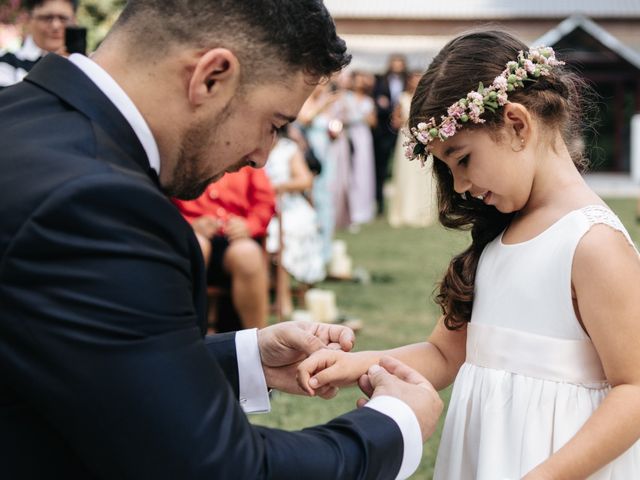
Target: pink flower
x,y
408,151
448,129
502,98
455,110
521,73
474,113
423,137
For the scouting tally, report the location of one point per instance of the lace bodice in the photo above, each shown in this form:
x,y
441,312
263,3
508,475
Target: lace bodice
x,y
600,214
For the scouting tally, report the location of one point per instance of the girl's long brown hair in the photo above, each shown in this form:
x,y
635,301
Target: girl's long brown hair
x,y
556,100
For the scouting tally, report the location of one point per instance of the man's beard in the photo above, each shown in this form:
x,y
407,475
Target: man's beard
x,y
189,179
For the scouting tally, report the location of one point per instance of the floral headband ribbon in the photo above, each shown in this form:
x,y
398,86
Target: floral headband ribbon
x,y
529,67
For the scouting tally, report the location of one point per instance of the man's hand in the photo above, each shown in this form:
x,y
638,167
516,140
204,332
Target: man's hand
x,y
393,378
284,345
236,228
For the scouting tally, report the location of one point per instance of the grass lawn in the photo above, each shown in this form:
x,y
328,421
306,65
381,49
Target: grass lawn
x,y
396,307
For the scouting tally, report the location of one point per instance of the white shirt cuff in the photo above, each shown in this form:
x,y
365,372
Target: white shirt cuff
x,y
253,393
407,421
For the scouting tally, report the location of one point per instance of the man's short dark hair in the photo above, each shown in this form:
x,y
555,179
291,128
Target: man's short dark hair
x,y
29,5
265,35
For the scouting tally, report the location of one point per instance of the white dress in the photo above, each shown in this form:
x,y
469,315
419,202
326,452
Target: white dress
x,y
302,252
532,376
413,200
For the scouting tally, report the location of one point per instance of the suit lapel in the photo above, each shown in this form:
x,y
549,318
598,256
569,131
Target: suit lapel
x,y
63,79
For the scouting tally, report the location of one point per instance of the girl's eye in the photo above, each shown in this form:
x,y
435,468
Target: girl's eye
x,y
464,160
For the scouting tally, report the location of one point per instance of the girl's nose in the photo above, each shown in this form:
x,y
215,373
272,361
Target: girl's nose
x,y
461,184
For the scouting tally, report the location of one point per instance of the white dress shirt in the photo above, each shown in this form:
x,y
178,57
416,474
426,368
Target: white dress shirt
x,y
29,52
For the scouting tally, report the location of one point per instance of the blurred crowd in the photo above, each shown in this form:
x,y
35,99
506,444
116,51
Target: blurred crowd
x,y
352,126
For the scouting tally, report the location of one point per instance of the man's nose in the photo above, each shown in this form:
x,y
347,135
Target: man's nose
x,y
258,158
261,155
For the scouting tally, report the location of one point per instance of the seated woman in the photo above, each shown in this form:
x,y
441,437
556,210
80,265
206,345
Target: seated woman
x,y
230,221
302,244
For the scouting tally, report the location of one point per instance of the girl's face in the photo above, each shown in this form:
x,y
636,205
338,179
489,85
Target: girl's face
x,y
498,172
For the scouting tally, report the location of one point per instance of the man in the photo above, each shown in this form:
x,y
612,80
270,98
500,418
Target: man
x,y
103,369
47,21
386,93
230,220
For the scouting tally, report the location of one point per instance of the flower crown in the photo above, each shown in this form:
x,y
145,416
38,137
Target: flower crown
x,y
529,67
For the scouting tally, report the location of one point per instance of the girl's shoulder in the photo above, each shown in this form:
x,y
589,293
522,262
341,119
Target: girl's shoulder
x,y
602,215
552,226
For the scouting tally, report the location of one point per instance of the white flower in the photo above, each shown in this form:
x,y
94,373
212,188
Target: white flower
x,y
529,66
475,97
500,82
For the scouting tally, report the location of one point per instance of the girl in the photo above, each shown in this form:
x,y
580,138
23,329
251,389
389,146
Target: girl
x,y
540,325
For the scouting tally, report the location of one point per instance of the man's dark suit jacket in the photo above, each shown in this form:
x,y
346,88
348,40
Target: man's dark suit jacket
x,y
103,369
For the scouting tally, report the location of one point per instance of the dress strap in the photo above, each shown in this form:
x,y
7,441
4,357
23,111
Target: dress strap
x,y
596,214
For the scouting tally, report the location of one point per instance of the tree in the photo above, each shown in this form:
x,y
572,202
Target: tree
x,y
98,16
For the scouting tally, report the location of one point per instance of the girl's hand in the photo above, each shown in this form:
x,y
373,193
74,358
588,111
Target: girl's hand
x,y
332,368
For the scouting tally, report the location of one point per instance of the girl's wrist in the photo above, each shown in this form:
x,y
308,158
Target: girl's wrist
x,y
367,358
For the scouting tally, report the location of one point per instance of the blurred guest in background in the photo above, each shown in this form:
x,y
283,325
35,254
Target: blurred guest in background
x,y
341,148
361,119
230,220
45,33
413,193
301,254
319,117
386,93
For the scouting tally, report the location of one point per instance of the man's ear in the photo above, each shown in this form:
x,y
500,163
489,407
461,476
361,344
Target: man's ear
x,y
517,121
216,73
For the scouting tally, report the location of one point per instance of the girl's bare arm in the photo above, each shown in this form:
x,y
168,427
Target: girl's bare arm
x,y
606,279
438,359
